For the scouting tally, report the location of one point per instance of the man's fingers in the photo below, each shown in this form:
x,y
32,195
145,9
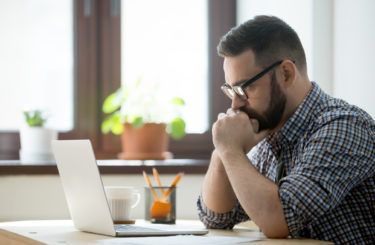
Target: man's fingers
x,y
231,112
221,115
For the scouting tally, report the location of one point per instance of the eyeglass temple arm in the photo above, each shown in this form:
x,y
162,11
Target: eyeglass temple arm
x,y
263,72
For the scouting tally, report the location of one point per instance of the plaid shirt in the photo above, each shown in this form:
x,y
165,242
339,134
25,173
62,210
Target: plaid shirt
x,y
328,188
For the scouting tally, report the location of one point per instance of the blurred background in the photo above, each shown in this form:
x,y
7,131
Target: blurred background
x,y
66,56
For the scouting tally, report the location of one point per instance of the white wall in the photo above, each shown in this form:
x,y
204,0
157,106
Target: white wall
x,y
300,18
41,196
322,44
354,52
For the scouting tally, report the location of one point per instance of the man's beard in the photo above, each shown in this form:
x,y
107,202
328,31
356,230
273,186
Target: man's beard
x,y
272,116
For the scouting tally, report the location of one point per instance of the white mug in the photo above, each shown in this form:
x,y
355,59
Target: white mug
x,y
121,199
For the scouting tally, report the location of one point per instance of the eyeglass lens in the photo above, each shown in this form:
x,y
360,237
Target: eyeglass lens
x,y
230,92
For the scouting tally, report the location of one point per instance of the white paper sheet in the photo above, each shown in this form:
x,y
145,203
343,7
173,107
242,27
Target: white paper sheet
x,y
180,240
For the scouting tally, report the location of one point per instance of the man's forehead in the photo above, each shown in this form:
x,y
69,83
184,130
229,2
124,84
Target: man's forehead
x,y
239,68
245,57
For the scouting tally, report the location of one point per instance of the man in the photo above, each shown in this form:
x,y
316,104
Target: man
x,y
310,167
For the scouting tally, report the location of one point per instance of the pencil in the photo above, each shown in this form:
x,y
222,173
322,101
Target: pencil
x,y
150,185
156,175
174,183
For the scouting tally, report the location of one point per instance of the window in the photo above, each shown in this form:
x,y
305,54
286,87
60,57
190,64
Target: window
x,y
97,72
163,44
36,62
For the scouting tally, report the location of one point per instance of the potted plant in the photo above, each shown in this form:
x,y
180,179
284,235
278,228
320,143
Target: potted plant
x,y
144,118
35,138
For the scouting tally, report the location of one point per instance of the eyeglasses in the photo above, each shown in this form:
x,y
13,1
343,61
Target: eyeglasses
x,y
240,89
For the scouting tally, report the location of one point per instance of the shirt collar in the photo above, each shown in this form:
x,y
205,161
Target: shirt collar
x,y
298,123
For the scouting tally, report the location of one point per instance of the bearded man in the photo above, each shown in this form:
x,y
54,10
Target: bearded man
x,y
296,161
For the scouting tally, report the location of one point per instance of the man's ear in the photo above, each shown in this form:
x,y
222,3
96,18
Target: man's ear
x,y
288,73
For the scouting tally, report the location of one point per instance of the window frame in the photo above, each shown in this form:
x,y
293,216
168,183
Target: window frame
x,y
97,73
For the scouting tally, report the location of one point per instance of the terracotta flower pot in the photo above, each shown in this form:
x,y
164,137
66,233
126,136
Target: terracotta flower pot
x,y
149,142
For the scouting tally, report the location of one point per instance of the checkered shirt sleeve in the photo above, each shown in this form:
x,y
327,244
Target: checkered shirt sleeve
x,y
214,220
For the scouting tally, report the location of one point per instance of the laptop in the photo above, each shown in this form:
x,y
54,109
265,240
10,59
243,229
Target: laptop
x,y
86,197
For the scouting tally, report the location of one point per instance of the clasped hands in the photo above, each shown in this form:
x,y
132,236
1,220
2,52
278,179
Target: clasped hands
x,y
234,131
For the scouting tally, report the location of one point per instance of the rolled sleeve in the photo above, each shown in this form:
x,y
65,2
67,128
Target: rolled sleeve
x,y
302,202
289,207
214,220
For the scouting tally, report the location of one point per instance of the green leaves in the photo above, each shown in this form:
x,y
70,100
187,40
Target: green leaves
x,y
135,121
178,101
139,104
34,118
113,124
114,101
177,128
118,128
108,105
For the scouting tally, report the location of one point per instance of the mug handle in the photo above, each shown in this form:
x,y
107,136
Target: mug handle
x,y
138,199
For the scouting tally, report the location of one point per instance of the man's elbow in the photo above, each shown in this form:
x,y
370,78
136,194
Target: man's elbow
x,y
274,224
276,232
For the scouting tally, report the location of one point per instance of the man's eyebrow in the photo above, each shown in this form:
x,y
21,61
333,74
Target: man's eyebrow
x,y
237,83
240,82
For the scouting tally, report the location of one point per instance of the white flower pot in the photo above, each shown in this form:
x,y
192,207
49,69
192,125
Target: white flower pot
x,y
36,144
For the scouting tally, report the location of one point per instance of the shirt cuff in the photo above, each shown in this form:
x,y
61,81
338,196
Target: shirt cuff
x,y
289,205
214,220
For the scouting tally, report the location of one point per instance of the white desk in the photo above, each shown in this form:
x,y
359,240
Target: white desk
x,y
63,232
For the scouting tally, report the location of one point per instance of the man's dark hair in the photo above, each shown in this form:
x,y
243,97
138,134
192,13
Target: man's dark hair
x,y
270,38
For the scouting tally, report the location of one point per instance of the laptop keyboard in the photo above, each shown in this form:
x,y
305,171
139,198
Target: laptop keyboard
x,y
132,228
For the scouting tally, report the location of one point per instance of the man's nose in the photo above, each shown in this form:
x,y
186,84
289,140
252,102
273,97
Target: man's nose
x,y
237,103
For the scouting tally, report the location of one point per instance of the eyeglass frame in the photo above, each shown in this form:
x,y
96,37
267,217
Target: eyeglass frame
x,y
239,89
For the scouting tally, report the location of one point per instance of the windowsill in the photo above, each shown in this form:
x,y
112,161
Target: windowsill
x,y
171,166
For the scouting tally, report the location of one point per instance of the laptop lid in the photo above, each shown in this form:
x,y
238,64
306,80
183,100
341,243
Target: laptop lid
x,y
83,186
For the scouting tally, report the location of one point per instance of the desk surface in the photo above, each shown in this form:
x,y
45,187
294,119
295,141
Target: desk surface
x,y
63,232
